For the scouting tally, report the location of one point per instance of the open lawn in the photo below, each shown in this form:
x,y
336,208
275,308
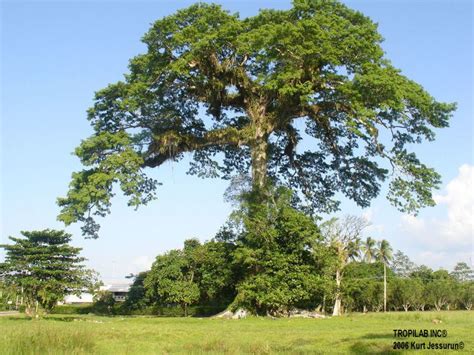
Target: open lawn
x,y
358,333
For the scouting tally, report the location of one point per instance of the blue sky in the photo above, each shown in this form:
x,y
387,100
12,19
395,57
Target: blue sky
x,y
54,55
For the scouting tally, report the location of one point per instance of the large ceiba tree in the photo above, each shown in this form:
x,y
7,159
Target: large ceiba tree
x,y
230,92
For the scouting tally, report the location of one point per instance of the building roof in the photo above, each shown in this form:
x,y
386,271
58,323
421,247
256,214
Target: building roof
x,y
116,288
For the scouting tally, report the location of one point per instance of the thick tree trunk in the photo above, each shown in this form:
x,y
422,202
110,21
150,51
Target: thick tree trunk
x,y
256,110
337,303
259,157
384,287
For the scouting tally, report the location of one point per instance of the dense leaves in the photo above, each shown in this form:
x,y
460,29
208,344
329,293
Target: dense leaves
x,y
170,280
230,91
278,250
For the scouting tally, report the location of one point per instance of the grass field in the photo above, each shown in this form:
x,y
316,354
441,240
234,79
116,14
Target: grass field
x,y
358,333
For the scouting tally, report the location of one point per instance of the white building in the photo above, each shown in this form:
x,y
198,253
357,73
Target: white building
x,y
82,298
119,292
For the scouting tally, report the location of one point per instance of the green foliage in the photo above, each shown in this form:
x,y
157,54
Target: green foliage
x,y
7,295
384,252
136,298
104,303
441,291
45,268
466,295
401,265
74,309
422,272
200,273
362,287
463,272
318,62
406,293
170,280
215,272
274,252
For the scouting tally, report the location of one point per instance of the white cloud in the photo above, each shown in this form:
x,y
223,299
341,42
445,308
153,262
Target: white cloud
x,y
445,260
368,215
446,240
460,203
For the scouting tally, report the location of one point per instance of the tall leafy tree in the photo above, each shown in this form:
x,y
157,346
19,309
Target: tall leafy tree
x,y
384,255
45,267
230,91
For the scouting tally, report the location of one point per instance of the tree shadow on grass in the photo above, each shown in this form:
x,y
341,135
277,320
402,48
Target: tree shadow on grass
x,y
377,336
47,318
371,348
17,318
373,343
63,319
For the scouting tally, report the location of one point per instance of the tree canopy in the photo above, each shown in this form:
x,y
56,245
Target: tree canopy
x,y
230,91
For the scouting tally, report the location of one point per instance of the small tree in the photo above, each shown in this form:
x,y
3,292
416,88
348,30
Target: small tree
x,y
7,295
104,302
362,285
402,266
463,272
171,281
343,236
406,292
466,295
441,291
45,267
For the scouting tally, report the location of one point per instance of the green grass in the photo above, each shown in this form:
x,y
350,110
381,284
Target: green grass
x,y
357,334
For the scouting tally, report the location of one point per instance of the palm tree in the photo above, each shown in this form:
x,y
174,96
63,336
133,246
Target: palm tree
x,y
368,247
384,255
353,249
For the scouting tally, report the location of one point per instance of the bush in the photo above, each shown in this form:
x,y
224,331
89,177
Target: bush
x,y
73,309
